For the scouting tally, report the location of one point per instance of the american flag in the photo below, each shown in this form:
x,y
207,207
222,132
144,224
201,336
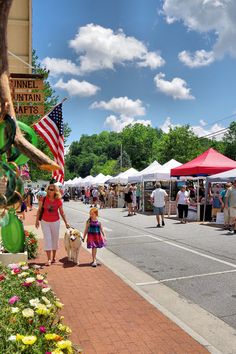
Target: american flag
x,y
51,129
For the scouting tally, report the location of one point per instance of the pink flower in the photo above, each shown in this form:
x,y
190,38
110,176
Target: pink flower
x,y
16,270
48,353
13,300
42,329
27,284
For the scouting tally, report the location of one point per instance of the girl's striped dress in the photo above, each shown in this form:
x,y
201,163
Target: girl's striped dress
x,y
95,238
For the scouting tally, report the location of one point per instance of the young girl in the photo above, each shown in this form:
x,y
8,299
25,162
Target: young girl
x,y
96,237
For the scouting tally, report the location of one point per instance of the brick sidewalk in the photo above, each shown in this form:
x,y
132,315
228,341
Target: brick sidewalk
x,y
106,315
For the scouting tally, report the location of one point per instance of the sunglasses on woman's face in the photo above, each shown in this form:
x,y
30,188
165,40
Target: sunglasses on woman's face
x,y
51,190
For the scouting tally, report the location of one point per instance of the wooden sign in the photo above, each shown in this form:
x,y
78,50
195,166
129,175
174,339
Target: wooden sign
x,y
28,97
28,110
27,84
27,93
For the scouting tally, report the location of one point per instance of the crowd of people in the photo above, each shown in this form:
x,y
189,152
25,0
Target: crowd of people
x,y
222,197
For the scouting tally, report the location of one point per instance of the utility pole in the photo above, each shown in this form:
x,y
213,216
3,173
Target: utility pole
x,y
121,162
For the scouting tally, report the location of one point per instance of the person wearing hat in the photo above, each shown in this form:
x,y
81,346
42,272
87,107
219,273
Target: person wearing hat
x,y
158,198
230,202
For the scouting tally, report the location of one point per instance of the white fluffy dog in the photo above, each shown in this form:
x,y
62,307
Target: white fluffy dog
x,y
72,241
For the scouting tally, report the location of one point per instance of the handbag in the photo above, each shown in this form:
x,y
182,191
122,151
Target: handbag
x,y
42,210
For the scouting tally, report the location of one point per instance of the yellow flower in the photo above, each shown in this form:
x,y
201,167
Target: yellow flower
x,y
22,263
59,304
57,351
28,313
52,336
64,328
23,274
29,340
65,344
42,309
29,280
39,277
19,336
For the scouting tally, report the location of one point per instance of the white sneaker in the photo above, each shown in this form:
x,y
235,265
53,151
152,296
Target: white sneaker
x,y
94,264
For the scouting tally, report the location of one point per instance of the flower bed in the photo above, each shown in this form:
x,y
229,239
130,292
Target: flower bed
x,y
29,315
31,244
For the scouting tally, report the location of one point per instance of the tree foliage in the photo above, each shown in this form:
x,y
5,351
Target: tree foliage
x,y
230,141
101,153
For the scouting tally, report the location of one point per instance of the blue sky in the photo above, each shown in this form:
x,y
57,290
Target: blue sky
x,y
163,63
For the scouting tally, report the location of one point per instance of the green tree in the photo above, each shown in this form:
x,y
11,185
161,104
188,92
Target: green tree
x,y
123,163
229,141
181,144
141,143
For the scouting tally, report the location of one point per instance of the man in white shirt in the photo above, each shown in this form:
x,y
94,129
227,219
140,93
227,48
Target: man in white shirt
x,y
158,198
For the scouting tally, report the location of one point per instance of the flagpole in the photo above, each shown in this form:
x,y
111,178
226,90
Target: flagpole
x,y
62,101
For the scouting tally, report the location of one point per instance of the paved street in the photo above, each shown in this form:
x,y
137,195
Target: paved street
x,y
197,261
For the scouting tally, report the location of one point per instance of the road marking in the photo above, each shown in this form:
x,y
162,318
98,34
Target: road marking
x,y
187,277
107,229
123,237
87,214
194,252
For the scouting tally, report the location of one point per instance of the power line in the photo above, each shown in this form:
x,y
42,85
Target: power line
x,y
218,132
220,120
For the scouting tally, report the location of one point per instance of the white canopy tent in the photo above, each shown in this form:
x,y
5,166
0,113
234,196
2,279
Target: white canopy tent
x,y
76,182
139,176
87,181
223,176
97,179
67,183
163,172
122,178
105,179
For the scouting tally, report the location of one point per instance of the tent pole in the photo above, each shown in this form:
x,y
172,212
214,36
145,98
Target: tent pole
x,y
169,209
205,201
198,204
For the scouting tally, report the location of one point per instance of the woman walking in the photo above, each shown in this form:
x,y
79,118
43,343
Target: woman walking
x,y
182,201
48,213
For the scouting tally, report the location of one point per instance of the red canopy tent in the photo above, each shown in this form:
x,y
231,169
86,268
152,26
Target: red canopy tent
x,y
208,163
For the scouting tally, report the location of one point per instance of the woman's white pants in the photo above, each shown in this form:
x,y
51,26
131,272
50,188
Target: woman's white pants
x,y
51,234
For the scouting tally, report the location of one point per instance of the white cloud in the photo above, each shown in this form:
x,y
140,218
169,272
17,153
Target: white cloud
x,y
60,66
207,16
119,123
165,127
152,60
122,105
125,110
202,122
199,130
102,48
77,88
177,88
196,60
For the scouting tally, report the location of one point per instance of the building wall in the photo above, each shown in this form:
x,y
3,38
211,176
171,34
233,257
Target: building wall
x,y
20,36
